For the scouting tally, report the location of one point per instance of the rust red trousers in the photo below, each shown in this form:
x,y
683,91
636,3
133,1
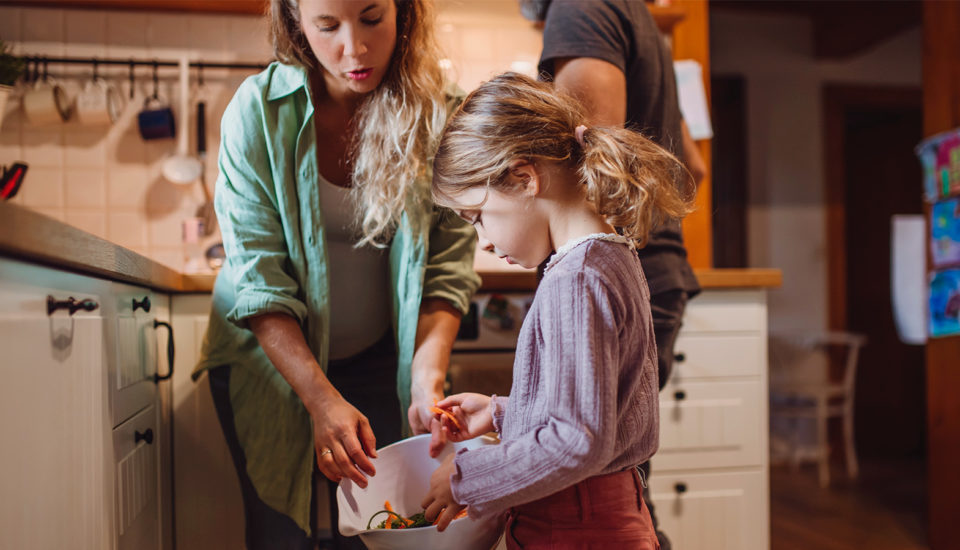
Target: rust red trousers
x,y
601,513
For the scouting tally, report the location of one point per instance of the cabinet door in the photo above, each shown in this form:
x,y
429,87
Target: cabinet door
x,y
132,340
712,511
136,479
53,460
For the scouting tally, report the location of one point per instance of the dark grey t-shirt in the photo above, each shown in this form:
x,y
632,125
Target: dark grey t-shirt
x,y
623,33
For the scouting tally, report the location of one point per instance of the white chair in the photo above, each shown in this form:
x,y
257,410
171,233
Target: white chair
x,y
802,389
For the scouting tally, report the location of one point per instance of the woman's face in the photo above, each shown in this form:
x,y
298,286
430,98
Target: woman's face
x,y
352,39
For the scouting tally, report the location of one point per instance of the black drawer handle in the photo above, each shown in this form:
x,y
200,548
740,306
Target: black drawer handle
x,y
680,488
680,357
146,436
145,304
680,395
157,324
71,304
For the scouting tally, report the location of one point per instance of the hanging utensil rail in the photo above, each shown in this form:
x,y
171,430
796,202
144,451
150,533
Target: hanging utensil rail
x,y
96,61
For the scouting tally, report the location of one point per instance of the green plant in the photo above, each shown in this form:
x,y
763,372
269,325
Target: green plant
x,y
11,66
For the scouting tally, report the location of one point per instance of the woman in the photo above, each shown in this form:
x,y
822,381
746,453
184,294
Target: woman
x,y
344,286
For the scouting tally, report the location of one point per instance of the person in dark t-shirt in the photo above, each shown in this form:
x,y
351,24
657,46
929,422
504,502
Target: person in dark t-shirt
x,y
611,55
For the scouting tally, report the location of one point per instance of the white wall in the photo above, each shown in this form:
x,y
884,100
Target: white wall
x,y
786,214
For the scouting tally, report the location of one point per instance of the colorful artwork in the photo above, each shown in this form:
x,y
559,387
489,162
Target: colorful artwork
x,y
945,234
940,157
945,303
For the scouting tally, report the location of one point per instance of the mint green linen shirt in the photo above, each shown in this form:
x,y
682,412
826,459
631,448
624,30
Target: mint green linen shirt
x,y
268,206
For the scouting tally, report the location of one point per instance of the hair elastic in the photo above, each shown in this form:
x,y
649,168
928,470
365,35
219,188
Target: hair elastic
x,y
578,132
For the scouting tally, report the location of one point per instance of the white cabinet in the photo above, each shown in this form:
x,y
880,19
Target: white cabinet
x,y
54,469
709,479
81,463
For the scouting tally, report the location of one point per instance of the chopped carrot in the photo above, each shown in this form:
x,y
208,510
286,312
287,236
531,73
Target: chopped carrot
x,y
443,412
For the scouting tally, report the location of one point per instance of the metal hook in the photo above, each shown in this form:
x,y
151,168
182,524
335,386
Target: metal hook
x,y
96,67
45,72
156,80
132,65
200,74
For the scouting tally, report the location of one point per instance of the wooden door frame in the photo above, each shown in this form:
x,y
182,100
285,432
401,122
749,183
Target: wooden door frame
x,y
837,98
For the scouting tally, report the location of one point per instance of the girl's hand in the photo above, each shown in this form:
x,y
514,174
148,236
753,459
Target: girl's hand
x,y
472,411
342,440
439,501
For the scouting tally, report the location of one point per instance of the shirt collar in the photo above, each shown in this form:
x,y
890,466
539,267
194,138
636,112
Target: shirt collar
x,y
286,80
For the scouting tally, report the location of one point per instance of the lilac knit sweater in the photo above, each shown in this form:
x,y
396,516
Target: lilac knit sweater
x,y
584,397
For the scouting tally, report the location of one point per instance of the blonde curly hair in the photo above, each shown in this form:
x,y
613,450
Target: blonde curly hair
x,y
396,126
635,184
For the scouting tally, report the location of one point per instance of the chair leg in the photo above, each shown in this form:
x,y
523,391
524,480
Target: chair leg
x,y
823,445
853,468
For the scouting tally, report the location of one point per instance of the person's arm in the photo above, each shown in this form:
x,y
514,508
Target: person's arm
x,y
436,330
600,85
337,425
266,295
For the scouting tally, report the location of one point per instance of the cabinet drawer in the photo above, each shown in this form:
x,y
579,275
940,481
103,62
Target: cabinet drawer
x,y
708,356
712,511
726,311
136,479
711,425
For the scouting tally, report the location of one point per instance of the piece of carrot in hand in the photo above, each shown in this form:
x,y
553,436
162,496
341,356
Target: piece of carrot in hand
x,y
443,412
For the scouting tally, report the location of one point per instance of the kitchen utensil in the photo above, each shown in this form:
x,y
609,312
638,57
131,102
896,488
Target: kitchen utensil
x,y
99,103
11,180
46,103
215,255
204,211
181,167
403,478
155,120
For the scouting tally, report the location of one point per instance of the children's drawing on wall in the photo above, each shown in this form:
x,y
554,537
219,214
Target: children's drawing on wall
x,y
945,303
945,234
940,156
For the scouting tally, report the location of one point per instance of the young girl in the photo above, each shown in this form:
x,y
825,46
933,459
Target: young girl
x,y
517,163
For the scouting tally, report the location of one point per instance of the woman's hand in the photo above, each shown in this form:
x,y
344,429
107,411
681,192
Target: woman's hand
x,y
422,420
343,440
472,411
439,501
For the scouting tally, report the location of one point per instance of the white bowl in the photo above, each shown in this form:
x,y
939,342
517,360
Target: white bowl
x,y
403,478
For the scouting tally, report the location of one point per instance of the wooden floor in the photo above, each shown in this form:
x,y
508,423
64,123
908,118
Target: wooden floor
x,y
884,510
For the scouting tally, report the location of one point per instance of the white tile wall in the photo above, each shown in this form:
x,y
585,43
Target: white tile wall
x,y
107,180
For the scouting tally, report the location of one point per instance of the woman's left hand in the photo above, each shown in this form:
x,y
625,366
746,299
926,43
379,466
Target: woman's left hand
x,y
422,421
439,501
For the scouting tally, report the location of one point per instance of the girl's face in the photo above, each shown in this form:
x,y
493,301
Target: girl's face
x,y
509,225
352,39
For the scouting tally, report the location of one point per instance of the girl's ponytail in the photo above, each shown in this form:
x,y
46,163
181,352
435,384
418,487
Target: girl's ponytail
x,y
634,183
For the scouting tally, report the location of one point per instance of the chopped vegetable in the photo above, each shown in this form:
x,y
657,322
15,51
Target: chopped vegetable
x,y
443,412
396,521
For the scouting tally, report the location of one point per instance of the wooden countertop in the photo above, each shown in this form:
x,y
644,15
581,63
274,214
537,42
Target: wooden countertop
x,y
33,237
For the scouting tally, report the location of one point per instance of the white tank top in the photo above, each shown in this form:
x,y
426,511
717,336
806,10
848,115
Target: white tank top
x,y
359,278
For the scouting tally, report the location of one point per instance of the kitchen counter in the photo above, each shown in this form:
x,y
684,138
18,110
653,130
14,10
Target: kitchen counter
x,y
33,237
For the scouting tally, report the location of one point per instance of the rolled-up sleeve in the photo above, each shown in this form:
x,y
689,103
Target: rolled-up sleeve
x,y
449,271
247,209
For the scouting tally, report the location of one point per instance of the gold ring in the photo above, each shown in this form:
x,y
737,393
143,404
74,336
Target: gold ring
x,y
328,451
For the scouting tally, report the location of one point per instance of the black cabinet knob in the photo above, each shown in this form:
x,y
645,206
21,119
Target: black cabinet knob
x,y
71,304
680,395
145,304
680,357
146,436
680,488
